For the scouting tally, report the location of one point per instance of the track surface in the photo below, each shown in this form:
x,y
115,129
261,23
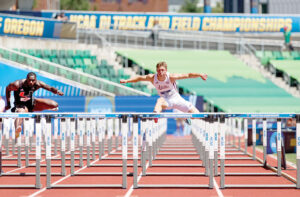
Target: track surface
x,y
171,144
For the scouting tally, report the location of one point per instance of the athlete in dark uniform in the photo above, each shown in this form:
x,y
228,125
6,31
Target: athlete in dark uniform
x,y
24,100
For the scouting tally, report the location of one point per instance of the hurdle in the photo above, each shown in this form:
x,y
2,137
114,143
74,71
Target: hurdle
x,y
160,134
276,172
37,174
90,132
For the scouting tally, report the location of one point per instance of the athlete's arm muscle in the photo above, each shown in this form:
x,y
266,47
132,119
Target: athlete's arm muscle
x,y
49,88
139,78
175,77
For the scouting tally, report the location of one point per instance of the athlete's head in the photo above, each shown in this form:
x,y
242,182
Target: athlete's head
x,y
31,79
161,68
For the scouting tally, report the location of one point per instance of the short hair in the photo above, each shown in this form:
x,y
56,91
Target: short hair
x,y
31,74
159,64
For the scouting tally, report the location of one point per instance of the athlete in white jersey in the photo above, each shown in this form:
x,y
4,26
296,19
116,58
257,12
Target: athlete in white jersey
x,y
165,83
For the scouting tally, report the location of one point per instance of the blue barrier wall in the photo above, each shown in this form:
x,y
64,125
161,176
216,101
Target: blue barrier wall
x,y
30,26
185,22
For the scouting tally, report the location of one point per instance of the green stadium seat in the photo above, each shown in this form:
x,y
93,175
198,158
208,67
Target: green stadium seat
x,y
70,63
79,63
21,59
62,53
88,63
277,55
286,55
54,53
103,62
83,79
54,60
70,53
62,61
24,51
47,53
38,53
86,53
31,52
94,60
295,55
79,53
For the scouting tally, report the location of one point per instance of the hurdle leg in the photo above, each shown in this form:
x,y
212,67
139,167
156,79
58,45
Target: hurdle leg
x,y
63,163
80,156
143,160
216,162
7,145
19,153
211,174
93,152
38,153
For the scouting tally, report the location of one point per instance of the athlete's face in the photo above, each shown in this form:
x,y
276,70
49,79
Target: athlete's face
x,y
31,80
161,71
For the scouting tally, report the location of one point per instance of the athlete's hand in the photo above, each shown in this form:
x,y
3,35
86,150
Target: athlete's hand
x,y
123,81
60,93
204,77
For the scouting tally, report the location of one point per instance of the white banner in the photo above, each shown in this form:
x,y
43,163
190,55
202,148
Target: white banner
x,y
26,130
63,135
124,139
93,130
254,132
109,128
38,141
73,128
279,136
80,128
135,141
246,130
88,132
222,141
55,128
117,127
48,140
264,133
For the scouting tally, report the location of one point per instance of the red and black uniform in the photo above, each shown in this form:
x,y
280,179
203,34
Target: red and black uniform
x,y
23,96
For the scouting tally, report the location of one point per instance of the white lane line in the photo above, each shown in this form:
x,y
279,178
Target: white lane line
x,y
275,157
129,192
220,194
58,181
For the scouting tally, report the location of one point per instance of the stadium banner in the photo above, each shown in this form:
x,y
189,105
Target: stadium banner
x,y
15,25
183,22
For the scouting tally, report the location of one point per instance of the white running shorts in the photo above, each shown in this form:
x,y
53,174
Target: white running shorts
x,y
177,102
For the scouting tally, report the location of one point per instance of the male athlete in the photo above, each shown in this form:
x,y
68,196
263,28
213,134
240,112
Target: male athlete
x,y
165,83
24,100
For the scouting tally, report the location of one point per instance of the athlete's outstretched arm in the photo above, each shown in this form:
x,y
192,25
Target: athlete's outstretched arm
x,y
51,89
11,87
138,78
187,76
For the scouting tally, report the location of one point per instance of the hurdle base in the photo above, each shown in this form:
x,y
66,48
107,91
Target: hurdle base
x,y
171,186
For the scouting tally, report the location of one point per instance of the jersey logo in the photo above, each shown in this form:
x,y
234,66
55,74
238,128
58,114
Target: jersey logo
x,y
23,98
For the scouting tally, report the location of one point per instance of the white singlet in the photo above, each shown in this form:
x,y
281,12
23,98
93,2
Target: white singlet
x,y
168,91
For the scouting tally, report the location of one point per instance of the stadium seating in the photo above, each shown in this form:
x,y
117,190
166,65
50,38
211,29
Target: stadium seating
x,y
289,69
231,85
80,60
266,56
